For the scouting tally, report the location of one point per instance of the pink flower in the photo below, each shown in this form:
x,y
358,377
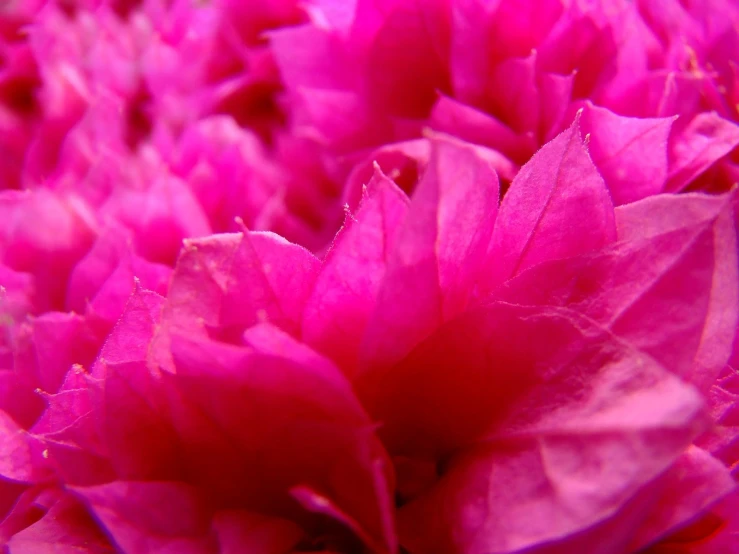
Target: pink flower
x,y
454,376
114,210
450,372
450,366
510,76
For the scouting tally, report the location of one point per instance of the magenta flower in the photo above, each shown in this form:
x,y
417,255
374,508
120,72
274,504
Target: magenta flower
x,y
510,76
448,361
454,376
522,339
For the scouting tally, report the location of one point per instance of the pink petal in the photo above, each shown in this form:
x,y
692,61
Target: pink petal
x,y
60,340
17,293
463,378
636,49
484,33
475,126
18,399
723,440
438,254
518,101
132,416
49,251
19,508
660,94
280,411
678,257
522,27
344,296
630,153
685,492
129,341
555,98
66,527
68,430
160,217
104,278
557,206
407,62
162,517
228,171
470,43
697,145
682,496
110,301
288,272
234,281
403,161
15,456
112,418
200,280
310,56
339,118
716,531
668,213
568,452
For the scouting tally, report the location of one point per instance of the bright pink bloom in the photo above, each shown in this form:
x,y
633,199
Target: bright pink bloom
x,y
510,76
454,376
498,391
551,373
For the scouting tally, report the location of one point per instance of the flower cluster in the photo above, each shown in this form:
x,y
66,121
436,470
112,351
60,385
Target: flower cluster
x,y
522,338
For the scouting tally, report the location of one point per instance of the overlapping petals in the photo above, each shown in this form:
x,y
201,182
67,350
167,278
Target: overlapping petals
x,y
511,75
449,369
522,338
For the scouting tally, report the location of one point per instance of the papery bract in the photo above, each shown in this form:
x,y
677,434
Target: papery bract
x,y
558,182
